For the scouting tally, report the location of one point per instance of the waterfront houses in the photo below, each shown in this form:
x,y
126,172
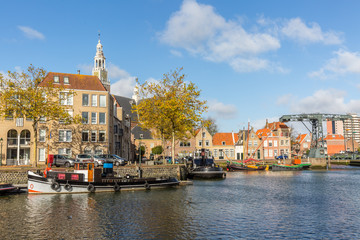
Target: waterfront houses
x,y
224,145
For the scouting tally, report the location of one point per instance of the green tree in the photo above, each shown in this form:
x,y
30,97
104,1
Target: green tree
x,y
170,106
157,150
24,95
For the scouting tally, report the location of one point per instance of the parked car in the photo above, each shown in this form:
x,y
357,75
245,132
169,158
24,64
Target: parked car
x,y
282,157
98,161
84,158
63,160
118,161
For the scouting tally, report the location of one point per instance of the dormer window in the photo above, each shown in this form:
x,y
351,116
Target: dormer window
x,y
56,79
223,143
66,80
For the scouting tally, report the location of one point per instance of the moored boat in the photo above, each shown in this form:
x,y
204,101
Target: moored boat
x,y
7,188
205,168
246,165
86,178
286,167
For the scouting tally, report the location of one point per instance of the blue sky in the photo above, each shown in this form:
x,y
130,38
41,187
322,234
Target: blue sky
x,y
253,60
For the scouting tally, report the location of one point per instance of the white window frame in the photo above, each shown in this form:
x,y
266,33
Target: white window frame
x,y
103,123
67,135
91,136
42,154
56,79
68,98
82,139
88,99
93,118
83,119
104,132
64,151
94,100
102,100
66,80
42,135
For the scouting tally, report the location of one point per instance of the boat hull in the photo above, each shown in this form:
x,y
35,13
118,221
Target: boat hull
x,y
238,167
41,185
207,173
7,188
277,167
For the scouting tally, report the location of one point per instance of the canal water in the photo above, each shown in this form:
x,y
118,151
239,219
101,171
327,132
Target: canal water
x,y
253,205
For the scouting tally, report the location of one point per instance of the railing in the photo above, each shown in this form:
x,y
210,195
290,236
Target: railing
x,y
14,162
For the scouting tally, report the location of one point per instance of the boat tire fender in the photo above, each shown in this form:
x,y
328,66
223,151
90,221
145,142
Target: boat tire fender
x,y
147,186
55,186
117,188
68,187
91,188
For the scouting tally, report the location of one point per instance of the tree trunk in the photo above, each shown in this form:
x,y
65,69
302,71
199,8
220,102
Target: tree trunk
x,y
173,147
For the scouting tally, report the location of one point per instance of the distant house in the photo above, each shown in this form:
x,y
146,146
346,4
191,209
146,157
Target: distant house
x,y
275,138
223,145
303,144
335,143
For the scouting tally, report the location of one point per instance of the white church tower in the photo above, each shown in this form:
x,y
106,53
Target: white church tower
x,y
99,69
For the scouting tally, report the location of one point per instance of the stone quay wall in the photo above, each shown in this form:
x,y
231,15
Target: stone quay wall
x,y
18,175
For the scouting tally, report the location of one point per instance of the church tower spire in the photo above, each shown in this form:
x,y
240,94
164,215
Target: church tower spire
x,y
99,69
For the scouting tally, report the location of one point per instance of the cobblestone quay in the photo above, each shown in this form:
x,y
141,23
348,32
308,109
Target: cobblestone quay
x,y
18,175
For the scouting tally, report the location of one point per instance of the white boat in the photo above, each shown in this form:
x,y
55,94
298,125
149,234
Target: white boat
x,y
90,179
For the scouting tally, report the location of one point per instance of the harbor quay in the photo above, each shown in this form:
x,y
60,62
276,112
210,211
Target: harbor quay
x,y
18,174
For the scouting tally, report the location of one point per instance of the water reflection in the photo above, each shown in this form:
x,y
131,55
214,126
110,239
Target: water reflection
x,y
255,205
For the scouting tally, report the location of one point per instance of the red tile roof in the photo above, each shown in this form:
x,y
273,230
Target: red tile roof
x,y
301,138
277,125
263,132
76,81
334,137
218,138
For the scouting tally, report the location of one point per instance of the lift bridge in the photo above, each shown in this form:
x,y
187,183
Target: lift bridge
x,y
317,149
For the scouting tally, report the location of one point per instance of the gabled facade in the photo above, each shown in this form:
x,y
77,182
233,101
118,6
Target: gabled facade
x,y
303,144
335,143
252,145
223,145
275,139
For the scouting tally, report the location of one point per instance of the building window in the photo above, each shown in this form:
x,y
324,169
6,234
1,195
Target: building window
x,y
215,152
265,143
184,144
65,151
66,80
275,153
101,136
93,136
102,101
94,100
98,151
85,136
93,118
200,143
227,152
71,114
232,153
102,119
42,135
66,98
65,135
207,143
87,150
275,143
250,143
85,117
270,144
270,152
286,142
255,143
41,154
282,143
85,99
223,143
203,134
56,79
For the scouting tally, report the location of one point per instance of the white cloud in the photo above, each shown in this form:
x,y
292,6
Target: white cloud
x,y
31,33
198,29
323,101
220,110
123,83
344,62
296,29
176,53
85,68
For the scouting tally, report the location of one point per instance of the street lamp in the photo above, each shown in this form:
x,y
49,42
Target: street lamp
x,y
1,141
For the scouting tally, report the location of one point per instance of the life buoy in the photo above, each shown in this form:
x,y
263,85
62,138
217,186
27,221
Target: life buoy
x,y
91,188
68,187
55,186
147,186
117,188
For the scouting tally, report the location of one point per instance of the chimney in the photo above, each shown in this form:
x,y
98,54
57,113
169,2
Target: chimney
x,y
266,126
78,71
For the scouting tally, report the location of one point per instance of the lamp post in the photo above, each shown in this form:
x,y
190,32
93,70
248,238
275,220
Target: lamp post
x,y
1,141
